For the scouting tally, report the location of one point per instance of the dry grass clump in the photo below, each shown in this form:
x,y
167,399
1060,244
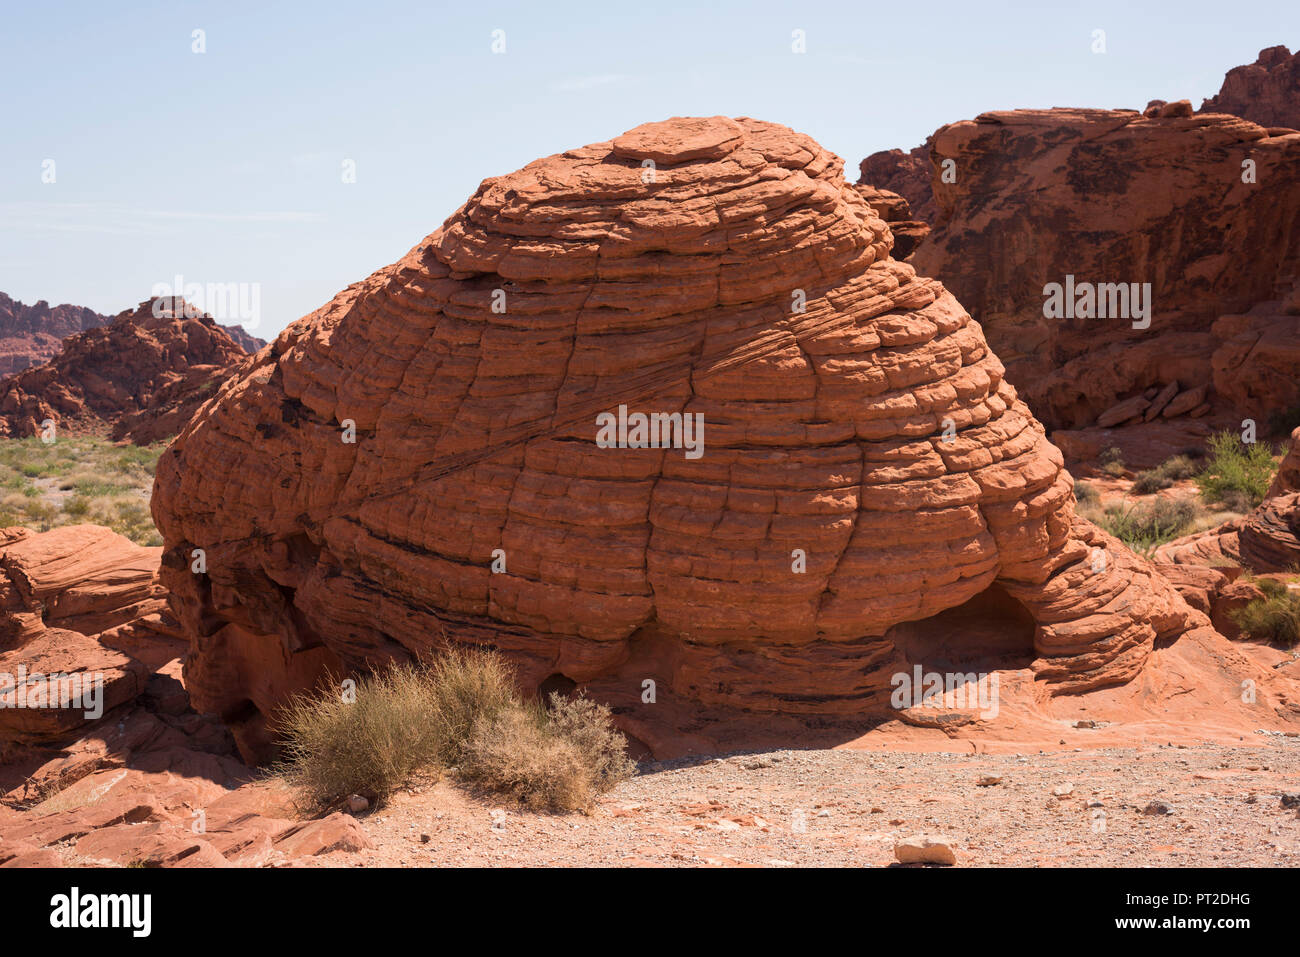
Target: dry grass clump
x,y
1144,527
460,712
335,746
560,757
1165,475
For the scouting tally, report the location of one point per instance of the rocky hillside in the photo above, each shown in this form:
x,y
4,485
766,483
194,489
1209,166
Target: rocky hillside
x,y
31,335
1266,92
140,378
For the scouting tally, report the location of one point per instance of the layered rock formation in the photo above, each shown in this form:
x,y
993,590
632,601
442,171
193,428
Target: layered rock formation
x,y
31,335
418,463
244,339
1266,92
1205,209
78,601
139,378
1202,207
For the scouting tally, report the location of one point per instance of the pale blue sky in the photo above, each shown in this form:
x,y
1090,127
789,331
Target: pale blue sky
x,y
225,166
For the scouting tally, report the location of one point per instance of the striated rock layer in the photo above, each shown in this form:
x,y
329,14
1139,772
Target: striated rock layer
x,y
139,378
866,467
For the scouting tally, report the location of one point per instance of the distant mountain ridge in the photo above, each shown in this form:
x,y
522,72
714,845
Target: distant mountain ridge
x,y
33,335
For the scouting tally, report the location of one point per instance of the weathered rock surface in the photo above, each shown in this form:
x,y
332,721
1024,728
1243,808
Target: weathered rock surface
x,y
907,174
32,335
140,378
147,780
78,601
1287,478
924,849
894,210
790,569
1266,92
1113,197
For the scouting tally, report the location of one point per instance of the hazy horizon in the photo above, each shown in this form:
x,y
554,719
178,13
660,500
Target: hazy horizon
x,y
228,166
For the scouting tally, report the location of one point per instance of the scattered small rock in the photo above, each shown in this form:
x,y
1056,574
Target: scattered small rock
x,y
357,804
1157,807
989,780
923,849
1063,790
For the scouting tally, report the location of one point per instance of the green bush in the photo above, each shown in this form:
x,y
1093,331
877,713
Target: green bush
x,y
1236,474
1274,618
1085,494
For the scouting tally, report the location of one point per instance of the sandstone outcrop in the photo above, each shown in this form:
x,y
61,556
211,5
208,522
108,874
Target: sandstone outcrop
x,y
1266,92
32,335
866,466
140,378
1204,208
908,175
894,210
78,601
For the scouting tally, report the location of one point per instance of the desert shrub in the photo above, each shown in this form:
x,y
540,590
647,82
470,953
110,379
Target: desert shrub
x,y
372,746
559,759
460,710
1236,474
466,687
1152,480
1085,494
1112,461
1165,474
1274,618
1143,527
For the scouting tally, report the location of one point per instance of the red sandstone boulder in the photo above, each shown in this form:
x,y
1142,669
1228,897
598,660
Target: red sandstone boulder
x,y
420,461
139,378
83,623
